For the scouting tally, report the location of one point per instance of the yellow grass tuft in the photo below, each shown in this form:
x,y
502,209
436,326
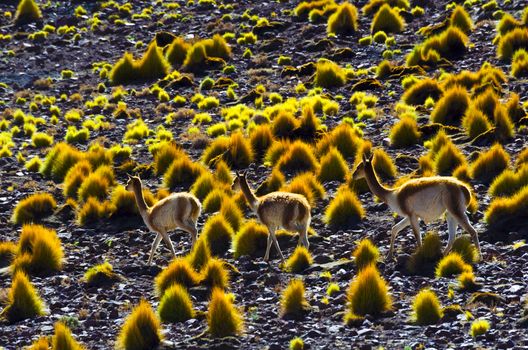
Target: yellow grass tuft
x,y
329,74
214,274
218,234
299,261
343,20
23,300
293,302
27,11
102,274
176,305
179,271
250,240
490,164
508,209
33,208
223,318
388,20
452,264
63,339
344,210
366,253
426,308
141,329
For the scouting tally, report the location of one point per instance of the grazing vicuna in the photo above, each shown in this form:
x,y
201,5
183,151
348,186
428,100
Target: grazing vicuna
x,y
276,210
178,210
426,198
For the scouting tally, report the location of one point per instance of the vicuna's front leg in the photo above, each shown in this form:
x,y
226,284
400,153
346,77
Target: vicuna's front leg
x,y
451,228
168,242
394,232
416,230
154,247
303,237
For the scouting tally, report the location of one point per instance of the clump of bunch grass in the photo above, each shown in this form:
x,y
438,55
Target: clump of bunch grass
x,y
293,301
234,150
420,91
365,254
426,308
204,184
101,274
59,160
504,128
450,44
7,253
39,250
261,139
250,240
176,305
94,210
284,124
63,339
182,171
387,20
511,42
223,318
298,158
342,137
329,74
179,271
461,19
33,208
383,164
199,255
490,163
166,154
23,300
373,5
519,68
299,261
450,109
27,11
296,344
479,327
75,177
508,209
430,252
367,295
466,282
273,183
405,133
41,343
345,210
214,274
141,329
333,166
475,122
124,202
177,51
230,211
94,185
307,185
218,234
213,200
449,158
343,20
509,182
463,246
452,264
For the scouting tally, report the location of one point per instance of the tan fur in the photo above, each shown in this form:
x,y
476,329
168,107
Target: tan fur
x,y
426,198
178,210
276,210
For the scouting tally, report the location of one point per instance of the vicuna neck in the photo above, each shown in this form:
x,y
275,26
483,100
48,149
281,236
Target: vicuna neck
x,y
248,193
140,200
375,186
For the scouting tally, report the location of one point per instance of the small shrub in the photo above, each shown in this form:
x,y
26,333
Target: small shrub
x,y
223,318
203,185
475,122
298,158
333,166
234,150
63,339
367,295
449,158
33,165
430,252
512,41
176,305
261,139
508,182
141,329
383,164
461,19
165,156
466,282
181,172
33,208
179,271
365,254
342,137
41,139
214,274
504,128
329,74
490,164
199,255
479,327
388,20
23,300
293,302
94,185
213,200
284,124
452,264
92,211
309,124
426,308
59,160
296,344
344,210
177,51
509,209
7,253
451,107
153,64
75,177
102,274
250,240
218,234
343,20
405,133
519,67
27,11
419,92
299,261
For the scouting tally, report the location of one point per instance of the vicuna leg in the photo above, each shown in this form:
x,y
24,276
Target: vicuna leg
x,y
303,237
463,221
168,242
190,226
452,228
394,232
154,247
416,230
270,241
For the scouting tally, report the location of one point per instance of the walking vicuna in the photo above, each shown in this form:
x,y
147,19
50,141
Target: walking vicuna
x,y
426,198
178,210
276,210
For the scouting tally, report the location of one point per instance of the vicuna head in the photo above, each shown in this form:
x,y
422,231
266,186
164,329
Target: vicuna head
x,y
133,182
237,180
359,172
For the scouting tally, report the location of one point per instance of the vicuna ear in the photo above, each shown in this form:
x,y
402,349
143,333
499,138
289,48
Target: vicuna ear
x,y
237,173
371,156
244,173
365,159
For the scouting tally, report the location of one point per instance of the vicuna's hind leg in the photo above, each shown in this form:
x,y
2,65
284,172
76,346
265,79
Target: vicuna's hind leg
x,y
190,226
451,228
458,210
416,230
394,232
154,247
466,225
303,236
272,238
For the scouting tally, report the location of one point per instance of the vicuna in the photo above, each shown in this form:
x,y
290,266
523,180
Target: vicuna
x,y
276,210
426,198
178,210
